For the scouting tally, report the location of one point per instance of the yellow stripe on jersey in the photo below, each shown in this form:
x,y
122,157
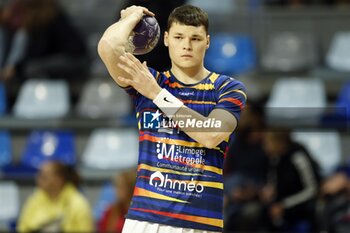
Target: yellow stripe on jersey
x,y
209,168
191,218
211,184
204,220
167,74
223,85
198,102
204,86
145,193
154,169
204,167
214,77
239,91
170,141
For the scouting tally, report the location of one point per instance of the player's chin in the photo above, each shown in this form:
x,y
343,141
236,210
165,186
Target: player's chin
x,y
188,64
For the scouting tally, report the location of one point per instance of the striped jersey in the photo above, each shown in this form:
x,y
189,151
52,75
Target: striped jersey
x,y
179,181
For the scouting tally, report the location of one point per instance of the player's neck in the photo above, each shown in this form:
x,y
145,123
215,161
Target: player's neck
x,y
190,75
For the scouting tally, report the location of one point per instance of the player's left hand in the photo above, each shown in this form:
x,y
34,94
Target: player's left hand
x,y
139,77
7,73
276,211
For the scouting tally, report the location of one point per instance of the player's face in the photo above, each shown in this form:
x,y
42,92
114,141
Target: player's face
x,y
187,45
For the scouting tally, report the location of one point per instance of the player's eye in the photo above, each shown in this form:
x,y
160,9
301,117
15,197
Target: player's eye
x,y
178,37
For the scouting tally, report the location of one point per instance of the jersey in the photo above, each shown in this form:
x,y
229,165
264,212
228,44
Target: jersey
x,y
179,181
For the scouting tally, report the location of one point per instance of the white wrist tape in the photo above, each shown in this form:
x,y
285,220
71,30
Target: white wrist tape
x,y
168,103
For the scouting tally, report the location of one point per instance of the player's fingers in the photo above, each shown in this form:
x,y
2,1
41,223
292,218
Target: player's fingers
x,y
125,80
135,62
148,12
128,62
126,69
131,57
145,65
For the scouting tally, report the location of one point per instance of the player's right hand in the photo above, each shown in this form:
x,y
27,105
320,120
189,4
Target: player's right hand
x,y
137,11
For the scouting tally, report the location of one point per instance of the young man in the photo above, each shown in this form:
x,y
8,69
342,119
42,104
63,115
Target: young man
x,y
186,116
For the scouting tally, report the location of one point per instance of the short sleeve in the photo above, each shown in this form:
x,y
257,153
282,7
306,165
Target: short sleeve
x,y
231,96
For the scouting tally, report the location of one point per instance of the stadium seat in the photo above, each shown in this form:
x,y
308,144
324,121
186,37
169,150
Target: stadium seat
x,y
231,54
9,201
325,147
2,99
40,99
5,149
102,98
214,7
289,52
106,197
44,145
343,102
111,149
298,99
338,56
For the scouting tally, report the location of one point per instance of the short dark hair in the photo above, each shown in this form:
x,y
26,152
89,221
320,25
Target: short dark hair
x,y
189,15
67,172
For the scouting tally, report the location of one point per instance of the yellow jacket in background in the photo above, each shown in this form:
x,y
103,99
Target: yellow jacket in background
x,y
70,212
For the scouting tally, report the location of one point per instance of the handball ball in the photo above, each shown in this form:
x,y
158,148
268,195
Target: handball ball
x,y
144,36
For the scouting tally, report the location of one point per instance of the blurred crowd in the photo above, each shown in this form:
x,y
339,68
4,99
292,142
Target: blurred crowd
x,y
274,184
59,205
38,40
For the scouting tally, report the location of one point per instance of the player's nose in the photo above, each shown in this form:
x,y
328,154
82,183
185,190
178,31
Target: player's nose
x,y
186,44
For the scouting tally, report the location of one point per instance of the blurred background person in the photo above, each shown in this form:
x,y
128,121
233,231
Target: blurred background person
x,y
38,40
335,192
114,217
57,204
292,183
245,171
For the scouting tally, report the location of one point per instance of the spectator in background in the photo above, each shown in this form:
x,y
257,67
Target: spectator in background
x,y
158,58
114,217
246,166
39,41
339,182
56,205
246,156
335,192
292,184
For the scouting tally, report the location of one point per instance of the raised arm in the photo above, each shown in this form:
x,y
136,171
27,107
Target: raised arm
x,y
114,41
143,81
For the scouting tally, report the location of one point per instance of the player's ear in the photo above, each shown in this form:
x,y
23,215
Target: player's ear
x,y
208,41
166,39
